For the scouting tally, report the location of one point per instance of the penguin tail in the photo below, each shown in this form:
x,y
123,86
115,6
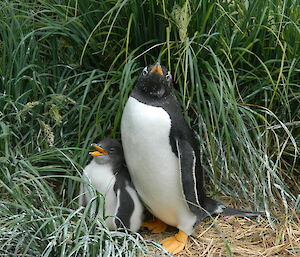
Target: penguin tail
x,y
228,211
215,207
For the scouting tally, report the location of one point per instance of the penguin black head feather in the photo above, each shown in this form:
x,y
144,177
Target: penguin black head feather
x,y
108,151
155,81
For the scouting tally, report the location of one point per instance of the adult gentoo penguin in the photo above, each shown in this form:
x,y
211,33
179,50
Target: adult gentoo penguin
x,y
108,175
163,159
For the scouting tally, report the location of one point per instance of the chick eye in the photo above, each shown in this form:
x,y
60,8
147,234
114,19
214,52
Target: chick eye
x,y
145,71
111,150
169,76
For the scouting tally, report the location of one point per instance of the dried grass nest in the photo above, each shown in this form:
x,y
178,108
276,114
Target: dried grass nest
x,y
235,236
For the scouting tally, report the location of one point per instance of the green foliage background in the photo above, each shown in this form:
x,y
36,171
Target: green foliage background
x,y
67,68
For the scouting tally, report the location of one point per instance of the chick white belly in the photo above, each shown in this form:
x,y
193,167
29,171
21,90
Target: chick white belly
x,y
103,180
153,166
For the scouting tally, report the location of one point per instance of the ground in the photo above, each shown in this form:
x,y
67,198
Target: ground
x,y
235,236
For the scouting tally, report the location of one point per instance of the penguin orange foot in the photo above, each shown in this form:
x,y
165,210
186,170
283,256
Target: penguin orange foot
x,y
156,225
175,244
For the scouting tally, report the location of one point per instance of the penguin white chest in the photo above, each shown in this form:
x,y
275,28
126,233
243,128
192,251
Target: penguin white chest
x,y
153,166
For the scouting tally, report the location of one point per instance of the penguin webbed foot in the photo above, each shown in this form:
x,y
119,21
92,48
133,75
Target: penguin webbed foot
x,y
156,225
175,244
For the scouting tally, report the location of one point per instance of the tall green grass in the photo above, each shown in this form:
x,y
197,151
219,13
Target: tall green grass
x,y
67,68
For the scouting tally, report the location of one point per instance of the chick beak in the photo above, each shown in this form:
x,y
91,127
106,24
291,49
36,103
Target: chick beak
x,y
100,151
157,68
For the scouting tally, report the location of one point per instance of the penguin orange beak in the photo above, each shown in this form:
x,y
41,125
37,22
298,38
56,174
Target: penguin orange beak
x,y
100,151
157,68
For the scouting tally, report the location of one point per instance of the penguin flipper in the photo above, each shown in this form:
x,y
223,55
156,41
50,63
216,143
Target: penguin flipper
x,y
193,191
125,202
187,163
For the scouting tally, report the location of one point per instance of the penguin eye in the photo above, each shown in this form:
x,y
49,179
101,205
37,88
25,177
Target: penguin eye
x,y
169,76
111,150
145,71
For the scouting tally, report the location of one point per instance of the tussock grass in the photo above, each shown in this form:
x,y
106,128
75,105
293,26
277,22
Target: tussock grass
x,y
67,68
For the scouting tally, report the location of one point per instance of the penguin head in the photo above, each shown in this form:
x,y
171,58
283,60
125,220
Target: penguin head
x,y
108,151
155,81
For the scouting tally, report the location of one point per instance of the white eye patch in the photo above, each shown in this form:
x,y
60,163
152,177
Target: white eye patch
x,y
145,71
169,76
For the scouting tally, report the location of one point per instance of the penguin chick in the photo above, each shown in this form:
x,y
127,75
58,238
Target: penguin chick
x,y
109,176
